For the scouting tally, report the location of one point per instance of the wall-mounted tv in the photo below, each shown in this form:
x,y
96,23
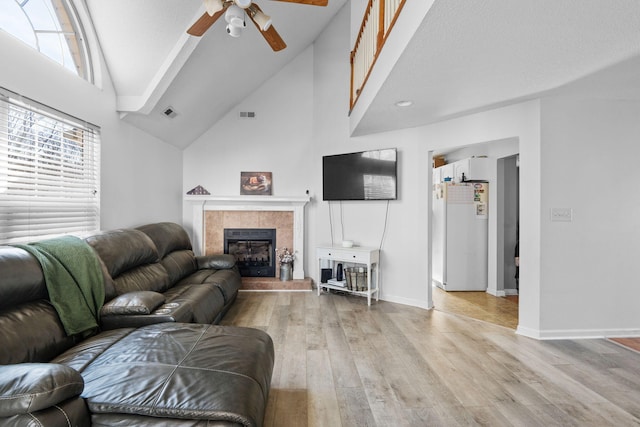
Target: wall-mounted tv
x,y
366,175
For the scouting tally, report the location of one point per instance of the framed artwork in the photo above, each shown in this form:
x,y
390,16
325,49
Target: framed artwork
x,y
255,183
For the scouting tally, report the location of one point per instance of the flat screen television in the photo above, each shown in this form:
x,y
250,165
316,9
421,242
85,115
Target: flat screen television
x,y
365,175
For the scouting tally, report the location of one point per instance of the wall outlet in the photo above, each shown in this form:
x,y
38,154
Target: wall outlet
x,y
561,214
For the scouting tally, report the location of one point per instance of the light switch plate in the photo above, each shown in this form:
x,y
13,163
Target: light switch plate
x,y
561,214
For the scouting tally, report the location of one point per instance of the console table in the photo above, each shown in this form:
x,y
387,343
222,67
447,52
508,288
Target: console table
x,y
350,257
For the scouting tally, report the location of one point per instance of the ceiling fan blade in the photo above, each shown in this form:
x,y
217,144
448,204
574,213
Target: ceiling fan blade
x,y
270,34
204,22
273,38
309,2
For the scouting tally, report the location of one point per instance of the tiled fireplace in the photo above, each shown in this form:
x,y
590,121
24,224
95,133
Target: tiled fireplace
x,y
212,215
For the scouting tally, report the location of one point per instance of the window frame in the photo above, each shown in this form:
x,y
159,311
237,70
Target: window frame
x,y
49,172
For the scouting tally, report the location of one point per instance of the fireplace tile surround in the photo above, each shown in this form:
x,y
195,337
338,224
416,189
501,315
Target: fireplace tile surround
x,y
212,214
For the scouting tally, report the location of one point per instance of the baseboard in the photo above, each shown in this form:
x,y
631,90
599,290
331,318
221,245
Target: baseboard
x,y
406,301
574,334
495,292
275,290
502,293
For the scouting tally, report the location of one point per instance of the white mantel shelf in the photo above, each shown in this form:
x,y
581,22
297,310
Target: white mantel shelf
x,y
295,204
249,200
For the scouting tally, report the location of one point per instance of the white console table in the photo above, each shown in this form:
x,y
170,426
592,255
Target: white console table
x,y
355,256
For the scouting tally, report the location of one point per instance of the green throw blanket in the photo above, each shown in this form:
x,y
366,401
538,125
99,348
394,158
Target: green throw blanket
x,y
74,280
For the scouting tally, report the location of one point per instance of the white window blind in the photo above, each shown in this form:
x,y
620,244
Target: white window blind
x,y
49,172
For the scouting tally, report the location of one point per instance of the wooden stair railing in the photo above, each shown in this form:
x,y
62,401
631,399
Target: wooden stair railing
x,y
378,21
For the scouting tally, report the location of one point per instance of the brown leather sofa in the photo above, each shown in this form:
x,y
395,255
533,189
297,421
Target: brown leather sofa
x,y
152,276
165,373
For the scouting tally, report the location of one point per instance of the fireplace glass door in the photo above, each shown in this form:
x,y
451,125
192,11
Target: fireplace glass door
x,y
253,249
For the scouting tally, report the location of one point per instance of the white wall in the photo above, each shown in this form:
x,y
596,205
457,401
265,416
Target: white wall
x,y
404,251
589,280
576,279
278,140
141,176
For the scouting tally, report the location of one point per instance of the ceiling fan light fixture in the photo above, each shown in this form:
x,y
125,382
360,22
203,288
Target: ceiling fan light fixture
x,y
234,16
213,6
234,31
263,21
243,3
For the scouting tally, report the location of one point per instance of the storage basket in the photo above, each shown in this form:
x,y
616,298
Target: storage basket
x,y
356,278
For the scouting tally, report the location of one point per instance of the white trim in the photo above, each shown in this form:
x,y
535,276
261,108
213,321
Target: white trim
x,y
406,301
275,290
572,334
158,85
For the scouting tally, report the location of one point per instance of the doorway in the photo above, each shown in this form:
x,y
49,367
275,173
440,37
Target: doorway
x,y
500,304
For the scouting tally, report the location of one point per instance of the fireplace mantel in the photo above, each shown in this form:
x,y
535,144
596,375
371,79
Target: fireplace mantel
x,y
295,204
243,201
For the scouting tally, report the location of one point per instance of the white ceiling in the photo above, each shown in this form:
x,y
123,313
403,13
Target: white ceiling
x,y
155,64
473,55
466,56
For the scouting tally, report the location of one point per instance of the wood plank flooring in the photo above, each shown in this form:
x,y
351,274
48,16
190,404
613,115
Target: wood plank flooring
x,y
341,363
478,305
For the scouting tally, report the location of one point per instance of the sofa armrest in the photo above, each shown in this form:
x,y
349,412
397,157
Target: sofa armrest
x,y
133,303
218,261
31,387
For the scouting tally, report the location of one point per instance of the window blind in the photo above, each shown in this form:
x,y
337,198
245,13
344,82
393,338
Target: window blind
x,y
49,173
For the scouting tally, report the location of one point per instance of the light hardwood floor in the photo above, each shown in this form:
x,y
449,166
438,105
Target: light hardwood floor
x,y
341,363
478,305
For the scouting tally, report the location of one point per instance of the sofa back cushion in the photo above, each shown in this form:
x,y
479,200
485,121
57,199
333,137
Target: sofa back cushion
x,y
131,259
30,329
174,249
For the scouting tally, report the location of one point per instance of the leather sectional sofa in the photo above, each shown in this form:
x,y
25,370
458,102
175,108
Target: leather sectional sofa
x,y
153,276
158,356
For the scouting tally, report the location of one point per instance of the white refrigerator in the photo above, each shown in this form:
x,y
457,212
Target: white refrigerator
x,y
460,236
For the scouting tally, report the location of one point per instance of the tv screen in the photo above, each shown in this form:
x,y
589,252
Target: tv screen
x,y
366,175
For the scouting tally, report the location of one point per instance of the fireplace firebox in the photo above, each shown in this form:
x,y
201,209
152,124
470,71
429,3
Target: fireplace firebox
x,y
254,250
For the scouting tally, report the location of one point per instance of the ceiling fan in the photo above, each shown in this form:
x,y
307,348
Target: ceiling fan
x,y
234,12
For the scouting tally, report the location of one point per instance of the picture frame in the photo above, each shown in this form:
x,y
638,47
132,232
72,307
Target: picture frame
x,y
256,183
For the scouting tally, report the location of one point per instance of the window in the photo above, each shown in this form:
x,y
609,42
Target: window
x,y
50,26
49,172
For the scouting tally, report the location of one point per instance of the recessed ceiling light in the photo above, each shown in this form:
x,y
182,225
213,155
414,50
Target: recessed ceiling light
x,y
404,103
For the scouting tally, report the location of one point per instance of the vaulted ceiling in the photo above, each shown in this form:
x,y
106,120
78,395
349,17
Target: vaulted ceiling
x,y
465,56
154,64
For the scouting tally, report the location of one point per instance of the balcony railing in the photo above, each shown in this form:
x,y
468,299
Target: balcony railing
x,y
379,18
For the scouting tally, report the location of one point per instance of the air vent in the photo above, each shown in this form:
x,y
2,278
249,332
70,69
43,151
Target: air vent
x,y
170,112
247,114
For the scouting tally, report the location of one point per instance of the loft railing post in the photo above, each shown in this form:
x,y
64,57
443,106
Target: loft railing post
x,y
377,23
381,33
351,97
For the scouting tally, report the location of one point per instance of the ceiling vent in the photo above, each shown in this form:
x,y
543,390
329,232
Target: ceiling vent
x,y
170,112
247,114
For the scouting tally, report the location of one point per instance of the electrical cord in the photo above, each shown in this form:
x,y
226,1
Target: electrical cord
x,y
341,221
331,222
384,229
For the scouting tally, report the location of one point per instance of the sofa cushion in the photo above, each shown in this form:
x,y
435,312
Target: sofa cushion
x,y
179,264
149,277
123,250
228,281
22,277
205,301
141,302
30,387
32,332
180,370
167,236
218,261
